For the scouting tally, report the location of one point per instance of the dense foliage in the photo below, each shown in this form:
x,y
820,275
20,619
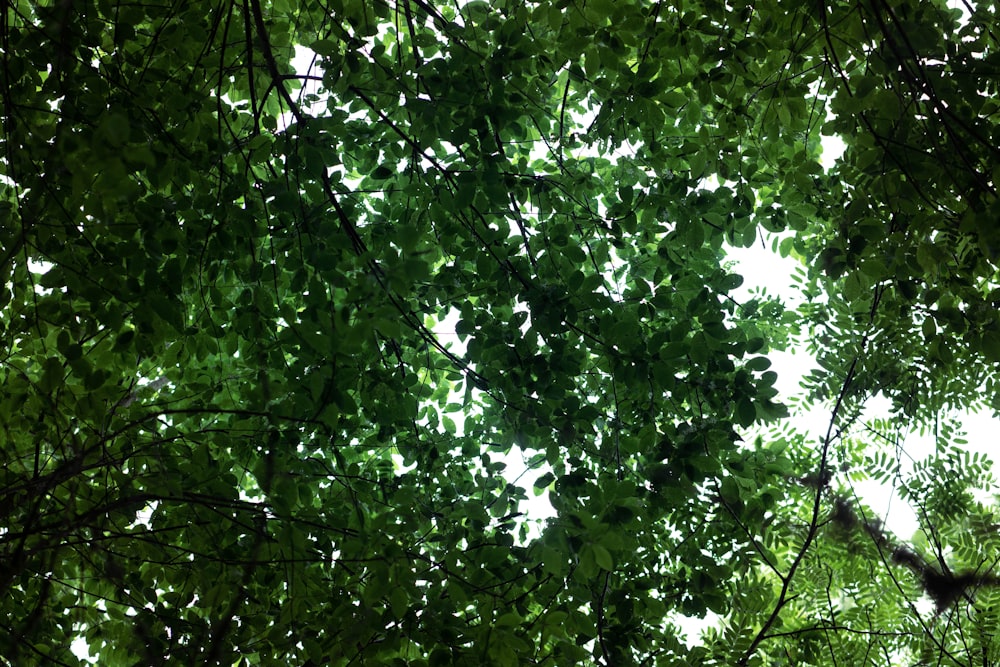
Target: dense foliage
x,y
238,427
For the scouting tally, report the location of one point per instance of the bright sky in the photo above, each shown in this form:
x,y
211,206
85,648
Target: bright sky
x,y
763,269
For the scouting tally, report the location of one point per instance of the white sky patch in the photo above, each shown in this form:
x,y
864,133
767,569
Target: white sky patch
x,y
81,649
833,148
766,272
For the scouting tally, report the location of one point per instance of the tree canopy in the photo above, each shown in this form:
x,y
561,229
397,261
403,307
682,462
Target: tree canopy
x,y
286,284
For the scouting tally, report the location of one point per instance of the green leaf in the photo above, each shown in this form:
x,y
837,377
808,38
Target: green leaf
x,y
544,481
674,98
324,47
758,364
399,602
746,412
603,558
991,346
